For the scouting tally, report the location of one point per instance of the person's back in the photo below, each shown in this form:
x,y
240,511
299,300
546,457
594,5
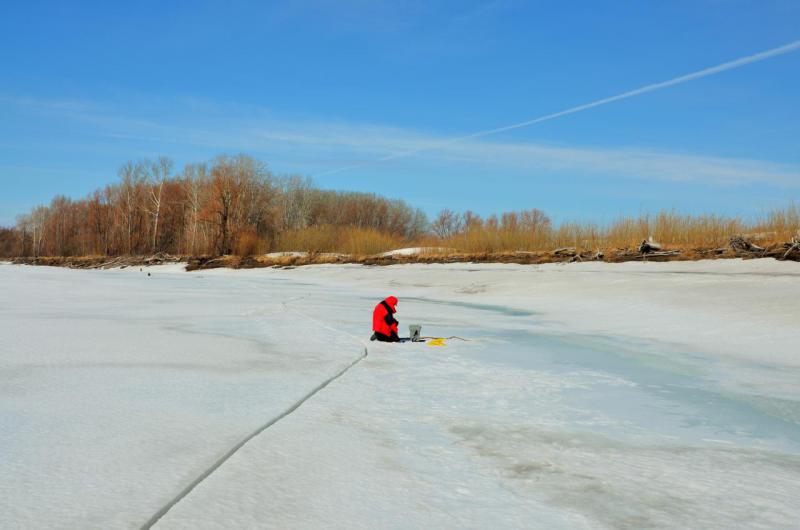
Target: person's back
x,y
384,325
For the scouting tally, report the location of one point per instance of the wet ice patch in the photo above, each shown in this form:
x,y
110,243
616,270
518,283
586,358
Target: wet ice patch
x,y
631,485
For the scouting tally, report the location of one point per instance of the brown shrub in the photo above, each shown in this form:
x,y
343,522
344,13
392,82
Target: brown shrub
x,y
343,239
248,243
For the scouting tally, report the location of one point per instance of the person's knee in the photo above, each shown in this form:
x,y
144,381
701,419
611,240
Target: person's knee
x,y
380,337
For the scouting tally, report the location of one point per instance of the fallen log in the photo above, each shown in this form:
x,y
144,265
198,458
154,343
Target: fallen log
x,y
586,256
716,251
792,246
740,244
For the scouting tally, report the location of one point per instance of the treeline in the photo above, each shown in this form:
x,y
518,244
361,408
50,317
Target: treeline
x,y
233,204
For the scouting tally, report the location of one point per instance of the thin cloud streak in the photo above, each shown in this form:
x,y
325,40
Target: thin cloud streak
x,y
730,65
321,144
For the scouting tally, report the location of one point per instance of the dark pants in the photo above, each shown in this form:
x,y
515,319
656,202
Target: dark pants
x,y
385,338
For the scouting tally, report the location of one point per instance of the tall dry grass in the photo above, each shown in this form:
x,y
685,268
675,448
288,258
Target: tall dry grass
x,y
785,223
675,230
339,239
668,227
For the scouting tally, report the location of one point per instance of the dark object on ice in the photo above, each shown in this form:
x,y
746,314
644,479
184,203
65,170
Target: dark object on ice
x,y
148,274
384,325
648,245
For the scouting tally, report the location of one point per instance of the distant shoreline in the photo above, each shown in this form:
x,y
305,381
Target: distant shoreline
x,y
781,252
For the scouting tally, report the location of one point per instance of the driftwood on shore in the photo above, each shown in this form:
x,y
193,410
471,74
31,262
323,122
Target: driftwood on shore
x,y
648,246
740,244
572,255
648,250
792,247
743,247
99,262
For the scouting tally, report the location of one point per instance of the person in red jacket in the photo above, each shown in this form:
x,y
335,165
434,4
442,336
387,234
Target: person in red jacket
x,y
384,324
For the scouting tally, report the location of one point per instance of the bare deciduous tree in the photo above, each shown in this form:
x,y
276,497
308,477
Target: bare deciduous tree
x,y
447,224
157,174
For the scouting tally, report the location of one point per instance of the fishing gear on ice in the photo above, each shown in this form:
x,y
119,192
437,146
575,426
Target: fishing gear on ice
x,y
385,326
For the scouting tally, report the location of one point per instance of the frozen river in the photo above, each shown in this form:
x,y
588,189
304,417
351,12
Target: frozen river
x,y
587,396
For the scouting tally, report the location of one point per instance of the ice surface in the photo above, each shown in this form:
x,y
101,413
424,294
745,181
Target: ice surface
x,y
414,251
116,387
589,396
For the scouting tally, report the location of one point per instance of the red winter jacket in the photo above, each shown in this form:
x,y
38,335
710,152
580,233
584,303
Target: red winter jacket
x,y
383,320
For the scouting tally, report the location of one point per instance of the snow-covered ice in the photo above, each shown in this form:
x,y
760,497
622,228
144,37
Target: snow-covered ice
x,y
589,396
415,251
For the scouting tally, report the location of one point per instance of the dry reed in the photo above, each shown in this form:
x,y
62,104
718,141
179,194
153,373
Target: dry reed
x,y
672,229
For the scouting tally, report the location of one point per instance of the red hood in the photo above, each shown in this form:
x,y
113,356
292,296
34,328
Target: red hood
x,y
392,302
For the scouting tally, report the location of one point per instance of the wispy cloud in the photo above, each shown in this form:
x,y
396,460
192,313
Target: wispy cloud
x,y
42,104
316,147
653,87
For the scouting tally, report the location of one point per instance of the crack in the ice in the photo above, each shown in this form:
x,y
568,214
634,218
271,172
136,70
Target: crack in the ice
x,y
216,465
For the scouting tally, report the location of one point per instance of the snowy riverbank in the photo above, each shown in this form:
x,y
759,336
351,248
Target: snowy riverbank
x,y
591,395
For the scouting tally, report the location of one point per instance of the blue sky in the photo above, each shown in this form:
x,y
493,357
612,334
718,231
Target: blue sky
x,y
314,86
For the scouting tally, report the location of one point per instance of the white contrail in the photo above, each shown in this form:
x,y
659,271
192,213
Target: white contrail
x,y
730,65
